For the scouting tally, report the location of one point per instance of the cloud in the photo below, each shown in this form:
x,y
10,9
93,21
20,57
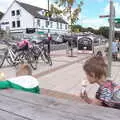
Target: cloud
x,y
117,9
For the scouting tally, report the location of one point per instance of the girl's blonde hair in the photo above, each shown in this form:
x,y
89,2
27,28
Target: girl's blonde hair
x,y
97,66
24,69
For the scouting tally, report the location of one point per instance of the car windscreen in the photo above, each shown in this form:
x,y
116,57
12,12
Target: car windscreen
x,y
85,41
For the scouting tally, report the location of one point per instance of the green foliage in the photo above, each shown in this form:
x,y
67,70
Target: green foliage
x,y
104,31
55,10
73,15
76,28
1,15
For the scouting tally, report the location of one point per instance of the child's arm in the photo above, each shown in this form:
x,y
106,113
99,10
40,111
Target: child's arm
x,y
85,97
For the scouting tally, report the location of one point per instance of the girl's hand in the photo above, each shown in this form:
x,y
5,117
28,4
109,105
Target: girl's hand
x,y
85,97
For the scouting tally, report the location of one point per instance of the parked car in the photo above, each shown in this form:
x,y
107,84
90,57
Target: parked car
x,y
40,38
57,39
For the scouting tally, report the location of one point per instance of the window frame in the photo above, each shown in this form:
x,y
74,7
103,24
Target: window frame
x,y
18,23
17,12
46,23
38,22
13,13
13,24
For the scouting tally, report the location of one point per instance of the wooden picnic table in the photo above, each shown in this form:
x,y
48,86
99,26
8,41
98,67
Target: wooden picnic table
x,y
19,105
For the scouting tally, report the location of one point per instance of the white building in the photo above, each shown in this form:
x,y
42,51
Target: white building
x,y
21,17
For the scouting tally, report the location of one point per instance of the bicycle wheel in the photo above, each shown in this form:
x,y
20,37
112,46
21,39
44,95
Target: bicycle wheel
x,y
47,58
19,58
32,60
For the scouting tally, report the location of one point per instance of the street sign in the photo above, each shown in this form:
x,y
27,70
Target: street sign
x,y
117,20
40,32
104,16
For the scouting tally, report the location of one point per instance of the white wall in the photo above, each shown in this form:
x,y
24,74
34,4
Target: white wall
x,y
26,19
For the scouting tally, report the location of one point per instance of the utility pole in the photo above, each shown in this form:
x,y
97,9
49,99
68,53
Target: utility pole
x,y
111,36
49,37
71,40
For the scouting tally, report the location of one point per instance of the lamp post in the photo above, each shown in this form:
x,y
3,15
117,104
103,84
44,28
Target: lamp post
x,y
111,36
71,40
71,33
49,37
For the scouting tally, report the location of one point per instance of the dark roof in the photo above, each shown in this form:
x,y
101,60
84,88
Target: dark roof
x,y
33,10
1,14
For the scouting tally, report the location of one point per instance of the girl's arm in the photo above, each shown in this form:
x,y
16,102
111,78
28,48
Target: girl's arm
x,y
94,101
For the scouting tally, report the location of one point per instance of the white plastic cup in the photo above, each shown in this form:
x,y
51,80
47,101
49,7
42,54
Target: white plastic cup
x,y
2,76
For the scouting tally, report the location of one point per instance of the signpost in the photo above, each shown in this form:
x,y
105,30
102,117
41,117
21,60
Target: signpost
x,y
104,16
48,28
117,22
111,33
111,36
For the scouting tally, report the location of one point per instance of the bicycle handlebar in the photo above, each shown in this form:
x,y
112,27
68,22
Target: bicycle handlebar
x,y
8,43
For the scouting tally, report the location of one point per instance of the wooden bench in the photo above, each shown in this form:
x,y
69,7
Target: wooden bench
x,y
19,105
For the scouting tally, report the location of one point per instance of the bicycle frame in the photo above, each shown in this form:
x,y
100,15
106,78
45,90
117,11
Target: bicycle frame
x,y
12,55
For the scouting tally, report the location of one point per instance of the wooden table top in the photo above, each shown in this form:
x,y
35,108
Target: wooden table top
x,y
19,105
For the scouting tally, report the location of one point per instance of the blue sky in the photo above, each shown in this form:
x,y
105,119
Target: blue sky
x,y
92,9
89,17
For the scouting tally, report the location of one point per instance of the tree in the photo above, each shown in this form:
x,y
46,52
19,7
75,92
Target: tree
x,y
76,28
1,15
104,31
73,15
55,11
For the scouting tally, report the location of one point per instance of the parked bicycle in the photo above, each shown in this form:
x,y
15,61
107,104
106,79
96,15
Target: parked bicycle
x,y
42,52
8,54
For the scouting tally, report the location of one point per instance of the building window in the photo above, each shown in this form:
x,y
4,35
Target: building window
x,y
60,25
30,30
38,22
47,23
65,26
57,25
13,13
17,12
13,24
18,23
51,24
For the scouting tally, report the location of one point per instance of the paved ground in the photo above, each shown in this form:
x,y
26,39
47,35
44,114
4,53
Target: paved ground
x,y
66,74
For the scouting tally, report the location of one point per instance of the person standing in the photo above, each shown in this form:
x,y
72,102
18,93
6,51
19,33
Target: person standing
x,y
114,49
